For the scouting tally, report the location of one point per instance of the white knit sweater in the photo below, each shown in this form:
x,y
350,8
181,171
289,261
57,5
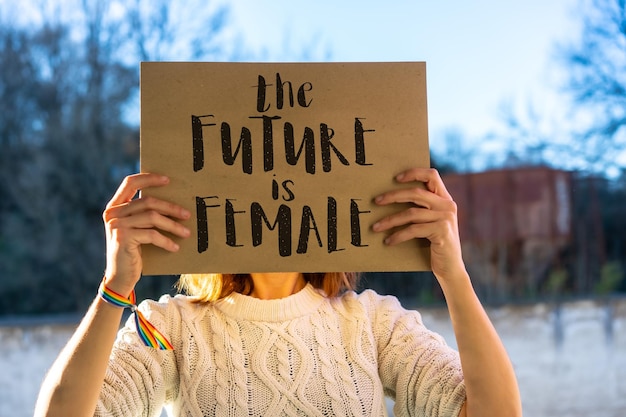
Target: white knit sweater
x,y
304,355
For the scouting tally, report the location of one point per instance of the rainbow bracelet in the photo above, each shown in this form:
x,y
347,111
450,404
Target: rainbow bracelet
x,y
148,334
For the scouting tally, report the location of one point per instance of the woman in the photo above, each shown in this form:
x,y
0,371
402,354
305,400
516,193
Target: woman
x,y
282,343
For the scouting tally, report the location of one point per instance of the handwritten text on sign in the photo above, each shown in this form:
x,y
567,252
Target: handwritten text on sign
x,y
280,162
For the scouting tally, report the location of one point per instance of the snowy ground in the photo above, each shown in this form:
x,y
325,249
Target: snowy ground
x,y
570,361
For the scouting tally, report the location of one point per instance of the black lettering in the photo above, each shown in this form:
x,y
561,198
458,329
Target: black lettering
x,y
280,93
198,141
301,94
307,144
359,141
332,225
307,224
274,188
326,134
283,220
260,97
285,184
290,196
268,141
202,223
355,223
231,232
244,145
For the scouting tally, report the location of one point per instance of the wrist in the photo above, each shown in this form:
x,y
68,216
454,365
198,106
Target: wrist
x,y
455,283
118,285
148,334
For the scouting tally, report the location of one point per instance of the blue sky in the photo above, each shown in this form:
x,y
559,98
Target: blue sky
x,y
479,54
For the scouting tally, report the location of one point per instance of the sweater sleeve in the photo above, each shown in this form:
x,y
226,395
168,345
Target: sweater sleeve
x,y
417,368
139,380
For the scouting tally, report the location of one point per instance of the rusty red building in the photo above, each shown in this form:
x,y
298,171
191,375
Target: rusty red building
x,y
515,225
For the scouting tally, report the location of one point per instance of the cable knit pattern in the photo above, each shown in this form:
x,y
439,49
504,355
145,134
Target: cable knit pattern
x,y
304,355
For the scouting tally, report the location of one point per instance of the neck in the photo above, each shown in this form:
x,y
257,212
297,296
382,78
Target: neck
x,y
270,286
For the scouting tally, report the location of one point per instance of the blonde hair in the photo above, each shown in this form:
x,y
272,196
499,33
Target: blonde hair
x,y
212,287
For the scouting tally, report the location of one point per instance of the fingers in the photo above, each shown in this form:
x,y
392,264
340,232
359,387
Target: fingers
x,y
136,231
150,220
144,204
414,231
133,183
144,220
429,176
431,214
416,195
431,193
414,223
408,216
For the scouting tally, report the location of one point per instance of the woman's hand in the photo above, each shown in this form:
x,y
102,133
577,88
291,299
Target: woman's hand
x,y
433,216
131,222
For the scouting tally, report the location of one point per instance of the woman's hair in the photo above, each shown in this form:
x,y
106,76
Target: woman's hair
x,y
212,287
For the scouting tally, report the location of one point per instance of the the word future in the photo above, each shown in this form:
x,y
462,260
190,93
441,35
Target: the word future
x,y
261,138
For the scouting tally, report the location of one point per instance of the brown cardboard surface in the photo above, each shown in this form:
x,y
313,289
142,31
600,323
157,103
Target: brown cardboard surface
x,y
355,126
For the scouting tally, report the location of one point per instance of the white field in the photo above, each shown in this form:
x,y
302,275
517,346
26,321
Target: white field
x,y
569,361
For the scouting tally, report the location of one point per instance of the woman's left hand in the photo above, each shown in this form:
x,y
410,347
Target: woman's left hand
x,y
490,381
433,216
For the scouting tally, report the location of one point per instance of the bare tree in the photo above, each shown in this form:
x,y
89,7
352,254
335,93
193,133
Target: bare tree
x,y
67,80
586,132
596,68
190,30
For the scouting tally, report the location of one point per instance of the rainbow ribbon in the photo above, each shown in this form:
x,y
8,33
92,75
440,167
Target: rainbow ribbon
x,y
148,334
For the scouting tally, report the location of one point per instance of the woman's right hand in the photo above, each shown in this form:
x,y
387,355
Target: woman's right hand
x,y
131,222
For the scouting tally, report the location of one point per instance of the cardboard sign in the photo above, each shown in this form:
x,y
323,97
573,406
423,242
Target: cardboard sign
x,y
280,162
